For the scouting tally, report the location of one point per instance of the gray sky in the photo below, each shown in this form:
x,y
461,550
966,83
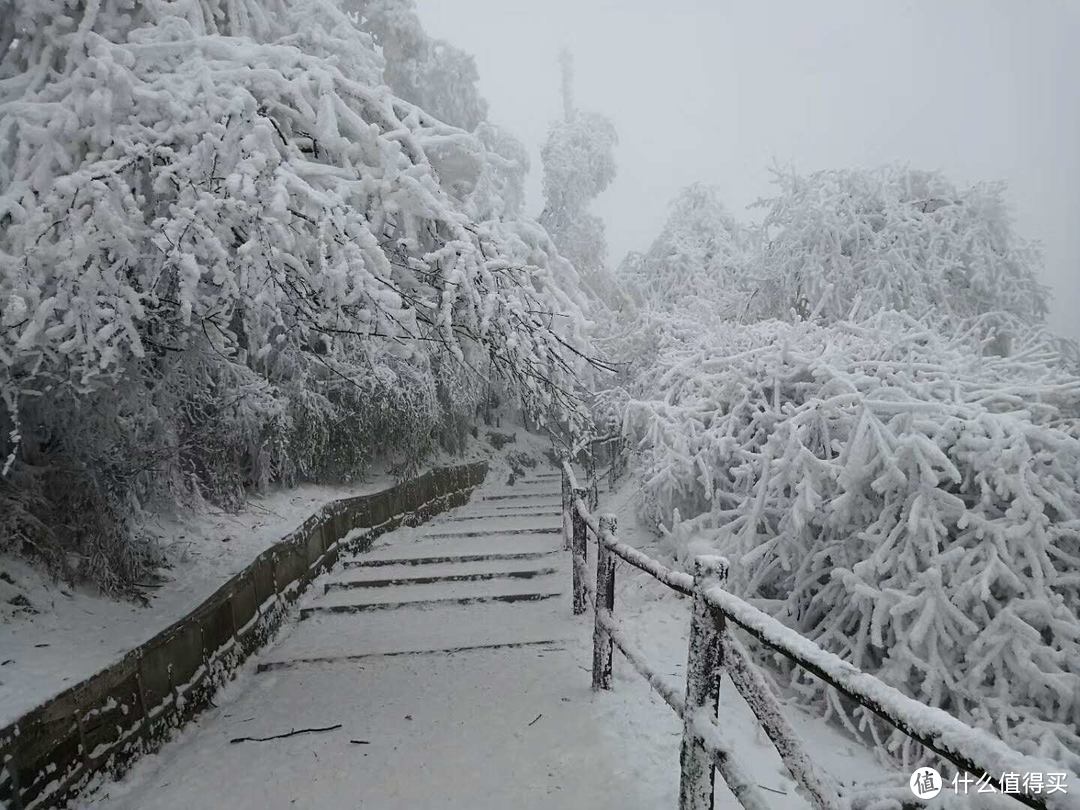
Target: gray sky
x,y
720,91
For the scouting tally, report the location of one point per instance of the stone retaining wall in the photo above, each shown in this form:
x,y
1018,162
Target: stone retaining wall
x,y
104,723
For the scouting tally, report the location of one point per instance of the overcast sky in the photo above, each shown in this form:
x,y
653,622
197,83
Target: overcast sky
x,y
720,91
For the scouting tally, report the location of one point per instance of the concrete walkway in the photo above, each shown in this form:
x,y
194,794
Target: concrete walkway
x,y
449,657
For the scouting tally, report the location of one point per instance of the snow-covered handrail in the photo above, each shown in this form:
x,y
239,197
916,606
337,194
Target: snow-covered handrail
x,y
576,512
676,580
706,726
568,472
751,685
971,749
713,650
671,694
704,750
576,521
614,444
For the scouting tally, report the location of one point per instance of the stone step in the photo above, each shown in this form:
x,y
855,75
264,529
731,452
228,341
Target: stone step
x,y
418,546
438,589
360,562
428,579
513,510
501,532
551,645
501,515
308,612
553,496
525,486
383,632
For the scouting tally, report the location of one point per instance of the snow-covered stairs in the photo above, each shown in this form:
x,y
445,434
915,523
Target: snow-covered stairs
x,y
441,669
491,574
457,570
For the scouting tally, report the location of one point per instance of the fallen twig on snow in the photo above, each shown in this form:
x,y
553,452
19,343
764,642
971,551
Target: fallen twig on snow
x,y
292,733
773,790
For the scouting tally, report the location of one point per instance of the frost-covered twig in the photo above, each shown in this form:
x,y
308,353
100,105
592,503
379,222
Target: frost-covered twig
x,y
905,502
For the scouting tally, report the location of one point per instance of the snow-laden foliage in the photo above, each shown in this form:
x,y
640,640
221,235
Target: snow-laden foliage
x,y
434,75
501,191
908,499
848,243
579,163
229,256
700,253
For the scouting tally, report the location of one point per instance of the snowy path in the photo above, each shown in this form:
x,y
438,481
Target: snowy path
x,y
450,658
449,655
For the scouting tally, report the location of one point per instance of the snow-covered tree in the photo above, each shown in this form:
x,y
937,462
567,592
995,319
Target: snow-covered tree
x,y
579,163
230,256
847,243
434,75
859,407
901,494
700,254
500,192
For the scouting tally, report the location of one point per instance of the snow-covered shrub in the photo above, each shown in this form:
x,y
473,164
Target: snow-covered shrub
x,y
229,256
857,406
907,498
700,255
848,243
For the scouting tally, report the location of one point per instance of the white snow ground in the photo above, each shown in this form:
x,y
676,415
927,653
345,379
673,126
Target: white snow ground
x,y
468,701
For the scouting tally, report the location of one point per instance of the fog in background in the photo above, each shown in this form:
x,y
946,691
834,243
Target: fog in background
x,y
721,91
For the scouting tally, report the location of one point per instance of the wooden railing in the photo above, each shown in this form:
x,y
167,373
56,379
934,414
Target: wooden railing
x,y
714,651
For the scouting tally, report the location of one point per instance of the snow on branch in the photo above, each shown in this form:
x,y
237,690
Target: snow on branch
x,y
908,498
229,255
977,751
844,244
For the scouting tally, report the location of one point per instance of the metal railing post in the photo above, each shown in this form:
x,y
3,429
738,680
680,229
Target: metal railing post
x,y
578,550
704,667
605,605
